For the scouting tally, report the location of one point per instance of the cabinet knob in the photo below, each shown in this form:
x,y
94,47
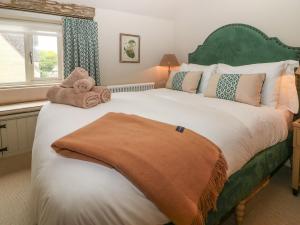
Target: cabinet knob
x,y
2,126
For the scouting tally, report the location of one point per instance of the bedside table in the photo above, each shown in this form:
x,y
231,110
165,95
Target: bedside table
x,y
296,157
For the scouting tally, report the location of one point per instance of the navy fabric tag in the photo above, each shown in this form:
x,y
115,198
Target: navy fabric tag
x,y
180,129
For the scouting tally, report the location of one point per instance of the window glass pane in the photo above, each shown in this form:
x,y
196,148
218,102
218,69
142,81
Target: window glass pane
x,y
45,57
12,58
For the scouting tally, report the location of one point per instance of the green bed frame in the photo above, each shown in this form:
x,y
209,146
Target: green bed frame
x,y
241,184
236,45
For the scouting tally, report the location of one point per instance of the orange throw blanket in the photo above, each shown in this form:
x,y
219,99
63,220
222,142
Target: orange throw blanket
x,y
178,170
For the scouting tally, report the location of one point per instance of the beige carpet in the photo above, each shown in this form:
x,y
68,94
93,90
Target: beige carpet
x,y
275,205
15,191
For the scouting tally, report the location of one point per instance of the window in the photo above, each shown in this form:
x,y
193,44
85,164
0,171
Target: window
x,y
30,53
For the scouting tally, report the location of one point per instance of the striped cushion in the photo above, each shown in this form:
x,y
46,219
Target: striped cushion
x,y
184,81
245,88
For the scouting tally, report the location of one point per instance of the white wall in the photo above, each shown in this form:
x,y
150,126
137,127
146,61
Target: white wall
x,y
157,38
196,19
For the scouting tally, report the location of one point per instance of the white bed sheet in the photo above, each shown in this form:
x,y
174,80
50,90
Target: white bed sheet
x,y
74,192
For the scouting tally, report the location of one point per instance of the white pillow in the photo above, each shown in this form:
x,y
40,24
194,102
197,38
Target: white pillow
x,y
207,72
192,67
271,87
288,96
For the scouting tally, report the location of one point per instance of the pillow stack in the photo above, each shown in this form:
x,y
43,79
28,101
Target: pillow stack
x,y
255,84
271,87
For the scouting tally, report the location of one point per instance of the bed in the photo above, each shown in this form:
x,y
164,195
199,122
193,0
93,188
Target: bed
x,y
68,191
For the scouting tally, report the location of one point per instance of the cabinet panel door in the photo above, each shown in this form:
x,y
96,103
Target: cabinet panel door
x,y
22,134
31,124
18,135
1,123
10,137
2,136
26,130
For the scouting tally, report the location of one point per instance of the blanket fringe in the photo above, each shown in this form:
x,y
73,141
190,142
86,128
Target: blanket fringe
x,y
208,199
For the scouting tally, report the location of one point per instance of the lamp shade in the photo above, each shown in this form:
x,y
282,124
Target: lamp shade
x,y
169,60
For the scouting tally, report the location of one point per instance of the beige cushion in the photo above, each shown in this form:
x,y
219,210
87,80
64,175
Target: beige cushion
x,y
245,88
184,81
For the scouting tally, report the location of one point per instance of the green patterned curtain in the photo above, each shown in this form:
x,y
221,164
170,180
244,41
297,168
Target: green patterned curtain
x,y
81,46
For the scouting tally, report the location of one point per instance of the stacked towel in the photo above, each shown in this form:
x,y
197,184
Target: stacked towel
x,y
84,85
68,96
79,90
77,74
103,92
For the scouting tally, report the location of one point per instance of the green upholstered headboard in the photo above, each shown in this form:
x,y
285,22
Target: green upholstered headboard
x,y
241,44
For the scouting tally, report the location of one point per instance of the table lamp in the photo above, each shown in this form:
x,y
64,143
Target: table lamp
x,y
169,60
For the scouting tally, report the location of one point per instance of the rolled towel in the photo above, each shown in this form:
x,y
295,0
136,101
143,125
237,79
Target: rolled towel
x,y
84,85
104,93
68,96
77,74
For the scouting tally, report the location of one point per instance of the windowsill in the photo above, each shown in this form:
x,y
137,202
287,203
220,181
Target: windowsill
x,y
15,95
21,108
18,86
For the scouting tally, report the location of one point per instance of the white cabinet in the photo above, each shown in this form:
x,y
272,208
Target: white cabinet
x,y
17,133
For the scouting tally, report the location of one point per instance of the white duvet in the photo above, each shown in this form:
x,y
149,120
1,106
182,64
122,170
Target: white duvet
x,y
74,192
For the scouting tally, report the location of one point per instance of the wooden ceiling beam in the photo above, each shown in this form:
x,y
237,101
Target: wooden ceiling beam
x,y
50,7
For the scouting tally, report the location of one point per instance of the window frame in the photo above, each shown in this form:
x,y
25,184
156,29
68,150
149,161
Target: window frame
x,y
59,58
31,81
